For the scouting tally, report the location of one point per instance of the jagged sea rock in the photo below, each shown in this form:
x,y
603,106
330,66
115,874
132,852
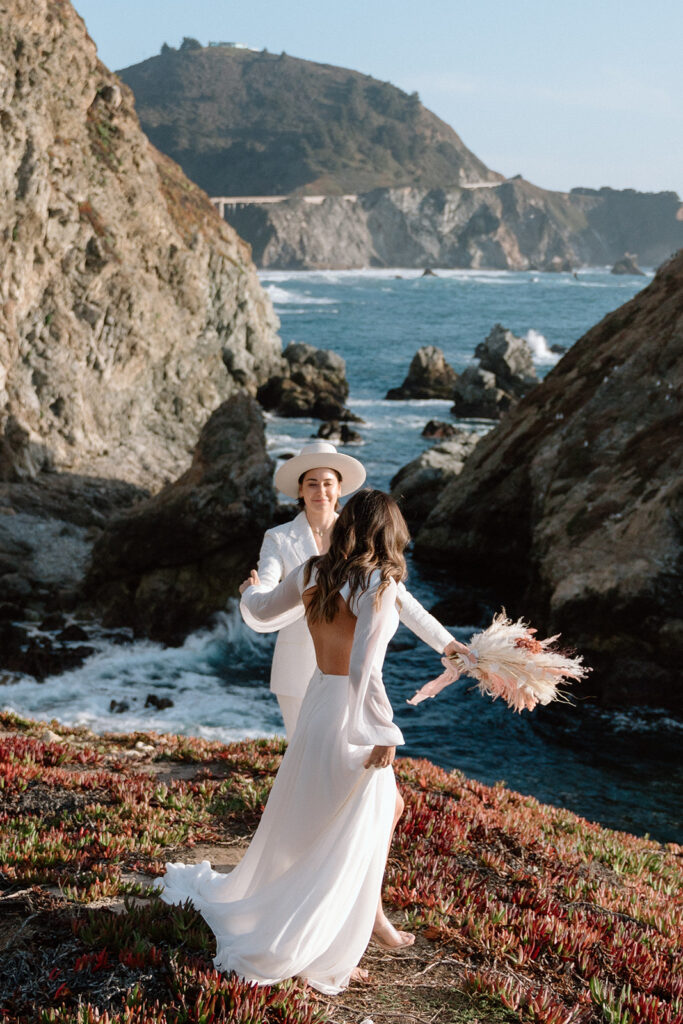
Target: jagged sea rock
x,y
339,433
429,376
169,563
418,484
509,358
505,373
311,382
128,309
627,265
572,509
439,429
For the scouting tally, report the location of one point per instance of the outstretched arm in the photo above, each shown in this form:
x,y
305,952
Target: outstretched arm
x,y
270,572
268,605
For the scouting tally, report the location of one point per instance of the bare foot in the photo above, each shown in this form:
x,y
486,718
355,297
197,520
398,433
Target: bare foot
x,y
388,937
359,974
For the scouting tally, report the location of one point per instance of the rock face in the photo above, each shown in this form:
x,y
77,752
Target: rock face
x,y
418,485
439,429
627,265
510,225
168,564
505,373
311,382
573,507
128,309
429,376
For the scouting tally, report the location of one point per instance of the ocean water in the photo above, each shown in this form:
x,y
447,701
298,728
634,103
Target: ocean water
x,y
621,768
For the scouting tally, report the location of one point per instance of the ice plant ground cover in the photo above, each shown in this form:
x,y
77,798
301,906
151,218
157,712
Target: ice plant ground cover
x,y
523,911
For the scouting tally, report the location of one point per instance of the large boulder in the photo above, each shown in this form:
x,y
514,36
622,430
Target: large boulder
x,y
311,382
429,376
505,373
418,485
572,509
128,308
627,264
168,564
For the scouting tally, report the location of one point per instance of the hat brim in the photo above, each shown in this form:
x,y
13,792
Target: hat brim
x,y
352,471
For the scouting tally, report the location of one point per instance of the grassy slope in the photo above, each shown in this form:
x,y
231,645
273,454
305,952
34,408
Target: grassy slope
x,y
244,123
523,911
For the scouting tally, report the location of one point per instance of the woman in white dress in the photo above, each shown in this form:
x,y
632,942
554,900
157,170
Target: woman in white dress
x,y
317,477
305,899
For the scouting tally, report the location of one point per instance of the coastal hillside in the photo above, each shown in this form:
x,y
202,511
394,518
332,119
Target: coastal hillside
x,y
128,309
241,122
572,509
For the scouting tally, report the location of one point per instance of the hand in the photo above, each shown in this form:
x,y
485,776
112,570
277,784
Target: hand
x,y
381,757
253,581
455,647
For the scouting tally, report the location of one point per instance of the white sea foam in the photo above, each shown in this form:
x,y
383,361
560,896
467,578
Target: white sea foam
x,y
540,349
284,297
214,692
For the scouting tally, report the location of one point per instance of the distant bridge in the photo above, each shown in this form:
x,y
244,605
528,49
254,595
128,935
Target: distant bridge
x,y
220,202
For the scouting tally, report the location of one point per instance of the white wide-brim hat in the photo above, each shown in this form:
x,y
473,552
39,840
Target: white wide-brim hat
x,y
319,455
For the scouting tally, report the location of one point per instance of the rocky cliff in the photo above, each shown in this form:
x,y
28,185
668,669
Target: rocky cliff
x,y
572,509
512,225
128,309
166,565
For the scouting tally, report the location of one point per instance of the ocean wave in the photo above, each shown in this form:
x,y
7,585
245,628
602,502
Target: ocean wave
x,y
283,297
540,349
217,681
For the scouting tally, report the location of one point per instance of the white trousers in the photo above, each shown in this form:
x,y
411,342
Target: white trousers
x,y
289,709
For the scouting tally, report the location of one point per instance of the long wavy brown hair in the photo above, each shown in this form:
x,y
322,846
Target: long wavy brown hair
x,y
369,534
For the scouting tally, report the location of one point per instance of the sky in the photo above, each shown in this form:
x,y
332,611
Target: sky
x,y
582,93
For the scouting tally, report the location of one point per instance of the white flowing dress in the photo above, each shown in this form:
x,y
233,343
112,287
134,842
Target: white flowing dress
x,y
302,901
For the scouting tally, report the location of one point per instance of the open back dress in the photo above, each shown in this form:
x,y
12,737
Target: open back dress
x,y
302,901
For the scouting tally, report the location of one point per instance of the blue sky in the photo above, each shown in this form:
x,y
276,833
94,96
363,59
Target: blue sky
x,y
574,93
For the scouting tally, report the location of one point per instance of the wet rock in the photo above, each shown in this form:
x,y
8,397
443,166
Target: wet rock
x,y
339,433
72,633
429,376
559,349
39,657
418,485
428,272
311,382
627,265
118,707
160,703
438,429
505,374
165,566
571,510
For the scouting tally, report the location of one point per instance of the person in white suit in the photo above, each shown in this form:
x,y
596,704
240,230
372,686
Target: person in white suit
x,y
317,477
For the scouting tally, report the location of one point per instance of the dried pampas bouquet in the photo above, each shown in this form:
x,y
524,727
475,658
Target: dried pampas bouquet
x,y
508,661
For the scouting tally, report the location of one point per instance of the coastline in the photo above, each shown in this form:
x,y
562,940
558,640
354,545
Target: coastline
x,y
523,911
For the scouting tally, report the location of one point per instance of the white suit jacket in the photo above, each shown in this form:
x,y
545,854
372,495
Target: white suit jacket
x,y
283,549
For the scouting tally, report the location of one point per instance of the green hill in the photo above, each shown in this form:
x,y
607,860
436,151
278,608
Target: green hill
x,y
241,122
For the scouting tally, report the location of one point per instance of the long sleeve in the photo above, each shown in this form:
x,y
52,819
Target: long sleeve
x,y
267,605
370,713
270,571
419,621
